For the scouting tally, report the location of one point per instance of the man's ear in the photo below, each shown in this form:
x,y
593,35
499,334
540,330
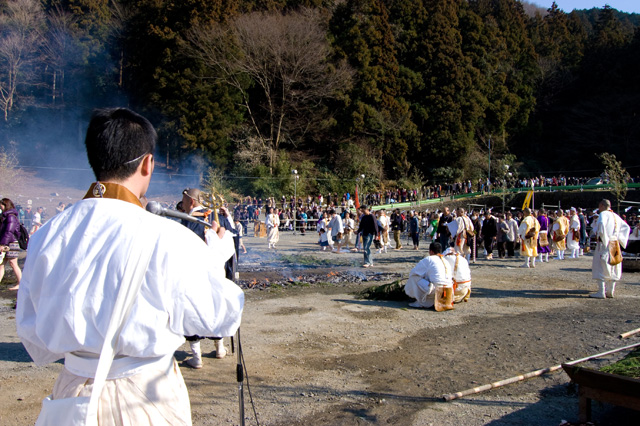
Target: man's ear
x,y
147,164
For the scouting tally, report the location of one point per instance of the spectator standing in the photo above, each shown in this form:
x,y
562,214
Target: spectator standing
x,y
397,226
414,229
369,230
511,235
489,233
349,226
9,240
583,231
36,223
443,229
503,231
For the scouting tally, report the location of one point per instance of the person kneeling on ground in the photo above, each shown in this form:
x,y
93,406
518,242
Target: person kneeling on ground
x,y
430,280
461,275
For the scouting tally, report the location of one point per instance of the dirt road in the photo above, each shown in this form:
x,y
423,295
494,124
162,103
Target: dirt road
x,y
318,355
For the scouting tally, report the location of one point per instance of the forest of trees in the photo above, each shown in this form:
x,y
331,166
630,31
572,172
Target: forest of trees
x,y
403,91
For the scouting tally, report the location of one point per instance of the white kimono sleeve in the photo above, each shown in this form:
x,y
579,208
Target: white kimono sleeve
x,y
221,248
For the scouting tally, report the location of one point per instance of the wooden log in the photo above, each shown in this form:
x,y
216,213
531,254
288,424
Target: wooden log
x,y
629,333
519,378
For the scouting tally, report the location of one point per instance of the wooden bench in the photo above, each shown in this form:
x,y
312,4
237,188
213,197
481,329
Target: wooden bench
x,y
611,388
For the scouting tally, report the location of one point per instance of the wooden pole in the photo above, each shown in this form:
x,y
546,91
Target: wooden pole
x,y
629,333
514,379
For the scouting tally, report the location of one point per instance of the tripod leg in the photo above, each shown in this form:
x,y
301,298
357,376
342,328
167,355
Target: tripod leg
x,y
240,379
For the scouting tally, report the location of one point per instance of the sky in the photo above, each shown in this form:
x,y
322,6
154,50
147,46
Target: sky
x,y
630,6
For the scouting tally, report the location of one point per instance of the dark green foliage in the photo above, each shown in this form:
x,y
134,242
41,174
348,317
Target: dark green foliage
x,y
629,366
377,113
593,107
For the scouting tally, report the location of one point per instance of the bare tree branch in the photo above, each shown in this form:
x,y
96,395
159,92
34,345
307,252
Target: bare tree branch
x,y
285,57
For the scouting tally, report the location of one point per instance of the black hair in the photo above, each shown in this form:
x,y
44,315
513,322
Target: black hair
x,y
435,247
117,140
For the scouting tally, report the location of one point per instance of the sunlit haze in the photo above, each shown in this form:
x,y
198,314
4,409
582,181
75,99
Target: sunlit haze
x,y
630,6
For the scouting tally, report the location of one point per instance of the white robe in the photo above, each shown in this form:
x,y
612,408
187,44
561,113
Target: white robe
x,y
336,225
273,234
429,273
461,275
384,234
574,228
70,281
461,237
609,227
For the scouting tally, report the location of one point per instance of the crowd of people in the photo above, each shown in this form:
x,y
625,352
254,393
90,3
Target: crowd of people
x,y
311,203
533,235
434,281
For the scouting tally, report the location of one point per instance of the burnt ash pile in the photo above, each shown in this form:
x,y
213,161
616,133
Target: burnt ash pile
x,y
278,278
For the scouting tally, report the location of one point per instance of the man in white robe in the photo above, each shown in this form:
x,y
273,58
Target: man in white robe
x,y
464,233
74,270
461,275
609,227
384,224
337,229
573,238
425,278
273,233
218,241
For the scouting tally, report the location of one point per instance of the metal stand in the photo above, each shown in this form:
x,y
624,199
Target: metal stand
x,y
239,376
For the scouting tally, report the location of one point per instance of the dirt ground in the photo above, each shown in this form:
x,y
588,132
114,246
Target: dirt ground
x,y
318,355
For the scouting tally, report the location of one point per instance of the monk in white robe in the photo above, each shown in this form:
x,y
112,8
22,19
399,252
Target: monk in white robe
x,y
425,278
74,270
273,233
461,275
609,227
573,238
528,233
464,234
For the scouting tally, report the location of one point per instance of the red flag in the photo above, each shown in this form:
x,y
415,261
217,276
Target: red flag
x,y
357,202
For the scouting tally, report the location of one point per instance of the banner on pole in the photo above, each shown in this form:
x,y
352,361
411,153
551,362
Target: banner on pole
x,y
527,200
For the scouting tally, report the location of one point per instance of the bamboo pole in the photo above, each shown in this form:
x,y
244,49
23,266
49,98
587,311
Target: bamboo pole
x,y
514,379
629,333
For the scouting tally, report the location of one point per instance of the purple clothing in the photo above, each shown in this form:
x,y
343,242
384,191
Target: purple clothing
x,y
544,226
10,227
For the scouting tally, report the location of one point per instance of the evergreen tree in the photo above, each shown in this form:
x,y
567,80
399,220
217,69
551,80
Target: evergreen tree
x,y
377,114
195,113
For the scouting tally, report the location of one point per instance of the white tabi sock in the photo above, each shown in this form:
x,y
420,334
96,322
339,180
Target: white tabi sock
x,y
600,294
611,288
196,360
195,348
